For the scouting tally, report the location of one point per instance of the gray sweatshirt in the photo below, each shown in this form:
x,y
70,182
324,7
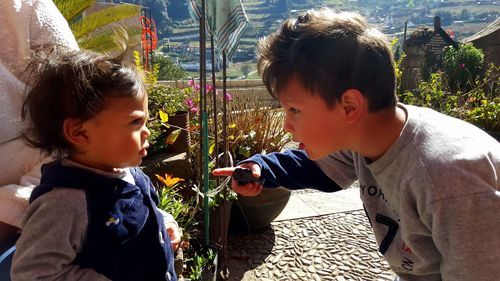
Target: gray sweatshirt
x,y
432,199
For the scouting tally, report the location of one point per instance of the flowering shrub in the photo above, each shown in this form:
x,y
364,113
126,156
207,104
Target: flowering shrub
x,y
463,66
479,105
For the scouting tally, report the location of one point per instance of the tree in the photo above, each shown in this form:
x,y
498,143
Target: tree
x,y
245,69
167,69
463,65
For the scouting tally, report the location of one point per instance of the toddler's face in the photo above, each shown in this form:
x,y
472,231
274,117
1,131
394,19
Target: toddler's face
x,y
318,128
117,136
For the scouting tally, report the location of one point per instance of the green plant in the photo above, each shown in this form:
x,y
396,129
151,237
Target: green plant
x,y
163,101
480,105
202,263
184,209
463,66
255,127
166,99
167,69
99,30
399,56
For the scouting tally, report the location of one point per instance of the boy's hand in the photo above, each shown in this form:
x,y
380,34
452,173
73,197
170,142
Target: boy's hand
x,y
249,189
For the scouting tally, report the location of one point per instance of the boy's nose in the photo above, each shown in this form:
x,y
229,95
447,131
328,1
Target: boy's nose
x,y
287,126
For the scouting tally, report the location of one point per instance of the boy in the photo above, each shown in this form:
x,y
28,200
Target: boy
x,y
429,182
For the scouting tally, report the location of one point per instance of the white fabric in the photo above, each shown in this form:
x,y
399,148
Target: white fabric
x,y
25,25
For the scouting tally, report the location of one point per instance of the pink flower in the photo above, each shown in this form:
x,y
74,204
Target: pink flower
x,y
228,96
191,82
209,87
462,65
197,87
189,103
194,109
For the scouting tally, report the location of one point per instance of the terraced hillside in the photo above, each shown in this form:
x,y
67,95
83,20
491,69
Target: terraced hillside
x,y
464,17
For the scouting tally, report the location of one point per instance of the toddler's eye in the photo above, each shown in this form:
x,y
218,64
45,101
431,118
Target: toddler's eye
x,y
137,121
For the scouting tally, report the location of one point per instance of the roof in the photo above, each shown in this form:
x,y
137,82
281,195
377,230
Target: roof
x,y
492,27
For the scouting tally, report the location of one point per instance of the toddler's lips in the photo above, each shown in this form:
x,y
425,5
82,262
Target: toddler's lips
x,y
302,146
143,152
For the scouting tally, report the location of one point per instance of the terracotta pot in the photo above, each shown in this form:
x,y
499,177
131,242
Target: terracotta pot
x,y
183,142
255,213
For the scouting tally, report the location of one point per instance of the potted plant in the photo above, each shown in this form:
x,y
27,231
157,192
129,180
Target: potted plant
x,y
256,127
169,112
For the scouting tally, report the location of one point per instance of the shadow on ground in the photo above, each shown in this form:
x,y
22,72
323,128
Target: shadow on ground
x,y
246,251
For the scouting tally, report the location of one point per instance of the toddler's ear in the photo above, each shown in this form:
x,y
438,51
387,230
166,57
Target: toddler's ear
x,y
74,132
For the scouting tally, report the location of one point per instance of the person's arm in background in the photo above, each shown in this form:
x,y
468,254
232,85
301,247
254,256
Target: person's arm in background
x,y
28,25
14,197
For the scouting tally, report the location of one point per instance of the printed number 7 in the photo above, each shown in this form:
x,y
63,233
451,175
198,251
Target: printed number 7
x,y
391,232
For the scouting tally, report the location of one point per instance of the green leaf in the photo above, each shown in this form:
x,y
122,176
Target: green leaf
x,y
102,18
110,40
72,9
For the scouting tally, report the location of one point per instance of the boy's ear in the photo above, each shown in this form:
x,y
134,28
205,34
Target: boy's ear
x,y
74,132
354,105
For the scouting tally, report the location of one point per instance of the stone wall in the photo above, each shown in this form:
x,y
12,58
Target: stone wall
x,y
247,87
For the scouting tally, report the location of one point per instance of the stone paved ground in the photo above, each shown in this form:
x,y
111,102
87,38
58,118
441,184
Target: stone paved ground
x,y
337,246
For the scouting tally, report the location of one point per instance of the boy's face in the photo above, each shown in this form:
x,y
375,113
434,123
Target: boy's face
x,y
117,136
318,128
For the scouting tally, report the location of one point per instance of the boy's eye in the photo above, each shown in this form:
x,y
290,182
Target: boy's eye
x,y
293,110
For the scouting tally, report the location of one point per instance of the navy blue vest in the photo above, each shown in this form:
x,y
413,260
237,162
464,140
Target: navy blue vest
x,y
126,237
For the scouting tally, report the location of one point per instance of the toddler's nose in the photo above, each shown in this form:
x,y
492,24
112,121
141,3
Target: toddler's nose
x,y
147,132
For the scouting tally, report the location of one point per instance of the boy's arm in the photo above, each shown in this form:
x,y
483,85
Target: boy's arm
x,y
292,169
52,236
466,231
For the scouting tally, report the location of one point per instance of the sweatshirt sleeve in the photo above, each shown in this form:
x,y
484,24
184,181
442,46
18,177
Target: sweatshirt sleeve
x,y
52,236
292,169
466,232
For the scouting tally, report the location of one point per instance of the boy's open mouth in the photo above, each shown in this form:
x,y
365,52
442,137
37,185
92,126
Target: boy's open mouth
x,y
302,146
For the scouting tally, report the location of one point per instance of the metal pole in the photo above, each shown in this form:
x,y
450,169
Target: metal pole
x,y
404,36
204,125
224,109
214,97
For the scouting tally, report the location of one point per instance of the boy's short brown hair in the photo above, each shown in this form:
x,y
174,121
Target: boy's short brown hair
x,y
329,53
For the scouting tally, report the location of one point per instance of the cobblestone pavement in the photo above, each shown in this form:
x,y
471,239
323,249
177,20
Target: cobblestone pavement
x,y
337,246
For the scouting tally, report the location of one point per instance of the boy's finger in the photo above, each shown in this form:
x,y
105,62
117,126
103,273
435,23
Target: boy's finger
x,y
255,170
223,172
254,167
249,189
